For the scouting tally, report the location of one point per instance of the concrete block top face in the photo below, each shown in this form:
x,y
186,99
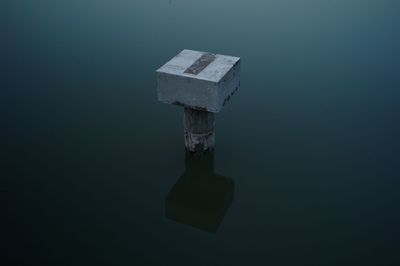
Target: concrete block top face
x,y
198,80
213,69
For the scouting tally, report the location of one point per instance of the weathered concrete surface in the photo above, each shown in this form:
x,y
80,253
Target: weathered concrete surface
x,y
198,80
199,130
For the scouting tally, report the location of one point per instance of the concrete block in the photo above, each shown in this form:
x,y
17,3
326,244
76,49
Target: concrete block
x,y
198,80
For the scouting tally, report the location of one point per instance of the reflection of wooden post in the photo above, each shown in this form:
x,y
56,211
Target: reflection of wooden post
x,y
202,83
199,130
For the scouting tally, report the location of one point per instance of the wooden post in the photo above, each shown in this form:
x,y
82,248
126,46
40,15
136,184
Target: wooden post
x,y
199,130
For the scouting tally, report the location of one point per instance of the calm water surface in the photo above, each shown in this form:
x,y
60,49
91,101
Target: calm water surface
x,y
306,167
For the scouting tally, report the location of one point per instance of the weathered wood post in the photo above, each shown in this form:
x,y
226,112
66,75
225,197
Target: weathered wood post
x,y
202,83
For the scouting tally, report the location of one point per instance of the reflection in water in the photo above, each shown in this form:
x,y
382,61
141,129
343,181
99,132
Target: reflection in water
x,y
200,198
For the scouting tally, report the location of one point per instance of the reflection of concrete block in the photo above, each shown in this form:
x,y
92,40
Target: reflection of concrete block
x,y
198,80
200,203
200,198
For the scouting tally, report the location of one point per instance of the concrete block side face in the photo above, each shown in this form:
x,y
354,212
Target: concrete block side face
x,y
188,92
229,84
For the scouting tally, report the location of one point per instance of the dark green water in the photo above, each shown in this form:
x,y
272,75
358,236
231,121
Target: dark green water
x,y
306,166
